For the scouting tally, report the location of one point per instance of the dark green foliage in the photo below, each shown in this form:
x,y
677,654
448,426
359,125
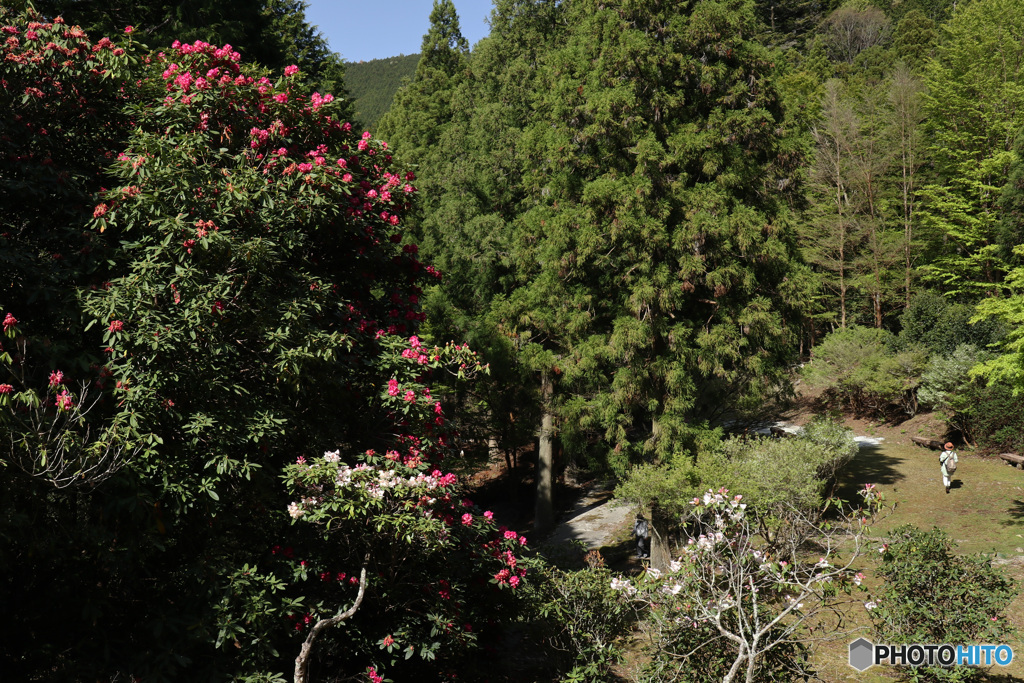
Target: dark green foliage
x,y
931,594
373,85
914,38
941,326
937,11
580,620
627,232
990,415
243,317
657,257
289,39
443,45
160,22
53,149
463,132
790,22
1011,206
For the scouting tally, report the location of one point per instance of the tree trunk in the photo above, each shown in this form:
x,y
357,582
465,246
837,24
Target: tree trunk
x,y
543,514
661,550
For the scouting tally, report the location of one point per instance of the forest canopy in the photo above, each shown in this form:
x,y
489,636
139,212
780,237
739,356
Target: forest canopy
x,y
250,350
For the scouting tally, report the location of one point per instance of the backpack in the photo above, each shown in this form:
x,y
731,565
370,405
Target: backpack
x,y
950,464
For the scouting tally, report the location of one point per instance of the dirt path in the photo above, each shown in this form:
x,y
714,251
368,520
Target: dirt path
x,y
596,520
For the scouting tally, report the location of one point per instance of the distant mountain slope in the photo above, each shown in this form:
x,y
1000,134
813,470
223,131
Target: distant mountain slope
x,y
373,84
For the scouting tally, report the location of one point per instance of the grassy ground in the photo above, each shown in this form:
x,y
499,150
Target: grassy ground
x,y
984,512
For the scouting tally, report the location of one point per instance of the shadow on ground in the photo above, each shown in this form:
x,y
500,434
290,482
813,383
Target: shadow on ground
x,y
870,466
1015,513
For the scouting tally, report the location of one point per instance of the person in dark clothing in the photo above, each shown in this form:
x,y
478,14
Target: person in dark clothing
x,y
643,537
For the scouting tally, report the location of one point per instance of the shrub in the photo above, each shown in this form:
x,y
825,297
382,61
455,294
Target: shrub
x,y
859,372
836,442
946,375
989,415
932,321
930,594
580,620
730,608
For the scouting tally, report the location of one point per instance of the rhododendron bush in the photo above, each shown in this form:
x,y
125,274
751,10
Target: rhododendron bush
x,y
226,286
734,607
62,97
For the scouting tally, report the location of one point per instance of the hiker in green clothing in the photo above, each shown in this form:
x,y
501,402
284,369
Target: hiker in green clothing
x,y
947,463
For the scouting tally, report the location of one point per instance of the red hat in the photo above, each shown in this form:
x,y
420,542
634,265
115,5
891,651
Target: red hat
x,y
949,445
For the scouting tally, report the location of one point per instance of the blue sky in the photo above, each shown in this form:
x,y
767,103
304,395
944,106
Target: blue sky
x,y
372,29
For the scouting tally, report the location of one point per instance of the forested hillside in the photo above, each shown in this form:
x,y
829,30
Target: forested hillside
x,y
672,207
250,353
373,85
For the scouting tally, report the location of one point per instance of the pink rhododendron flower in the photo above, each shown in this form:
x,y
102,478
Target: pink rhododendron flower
x,y
489,515
6,388
64,400
9,322
291,70
467,519
281,98
116,326
392,387
410,396
56,378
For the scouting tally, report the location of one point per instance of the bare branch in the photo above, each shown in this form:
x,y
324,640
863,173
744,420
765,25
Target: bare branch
x,y
302,661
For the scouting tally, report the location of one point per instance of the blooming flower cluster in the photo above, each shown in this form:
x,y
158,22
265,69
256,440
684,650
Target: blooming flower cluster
x,y
723,568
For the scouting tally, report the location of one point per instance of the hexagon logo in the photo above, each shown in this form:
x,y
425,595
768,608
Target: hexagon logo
x,y
862,654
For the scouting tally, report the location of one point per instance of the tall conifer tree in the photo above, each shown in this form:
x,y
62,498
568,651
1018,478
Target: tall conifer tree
x,y
656,258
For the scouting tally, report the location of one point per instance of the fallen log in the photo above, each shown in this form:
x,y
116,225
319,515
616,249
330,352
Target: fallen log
x,y
924,442
1013,459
